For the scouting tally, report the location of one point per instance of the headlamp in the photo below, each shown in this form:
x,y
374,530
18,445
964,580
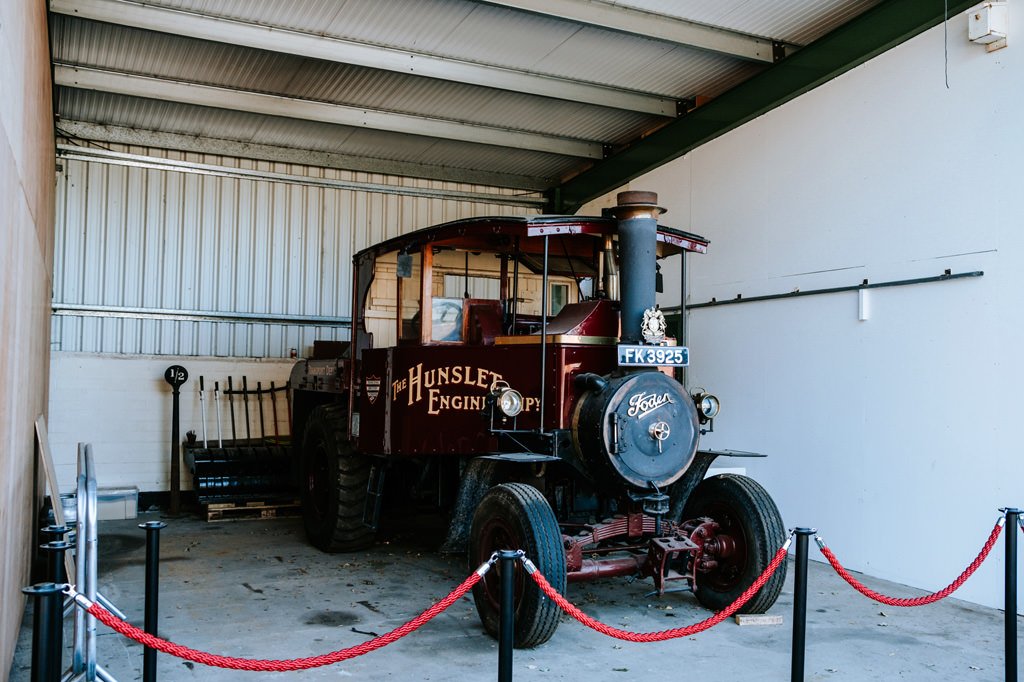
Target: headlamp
x,y
508,400
708,406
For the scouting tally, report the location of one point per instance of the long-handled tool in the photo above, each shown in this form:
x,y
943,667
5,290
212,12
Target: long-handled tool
x,y
202,408
216,402
231,410
288,402
259,401
245,403
273,409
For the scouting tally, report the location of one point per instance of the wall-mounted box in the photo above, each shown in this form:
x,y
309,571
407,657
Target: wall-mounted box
x,y
987,25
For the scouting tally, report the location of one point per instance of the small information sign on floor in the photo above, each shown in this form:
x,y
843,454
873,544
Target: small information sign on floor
x,y
757,619
239,511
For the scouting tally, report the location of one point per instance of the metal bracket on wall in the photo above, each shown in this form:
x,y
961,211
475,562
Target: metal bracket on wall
x,y
946,276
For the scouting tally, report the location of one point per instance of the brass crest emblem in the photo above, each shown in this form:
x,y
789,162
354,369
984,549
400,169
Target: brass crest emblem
x,y
653,326
372,388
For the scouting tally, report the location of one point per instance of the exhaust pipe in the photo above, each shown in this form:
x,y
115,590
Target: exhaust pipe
x,y
637,214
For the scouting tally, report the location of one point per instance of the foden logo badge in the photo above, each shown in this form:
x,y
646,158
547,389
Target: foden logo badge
x,y
643,404
372,388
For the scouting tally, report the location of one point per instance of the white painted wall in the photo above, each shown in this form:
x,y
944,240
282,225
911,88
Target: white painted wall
x,y
898,436
122,405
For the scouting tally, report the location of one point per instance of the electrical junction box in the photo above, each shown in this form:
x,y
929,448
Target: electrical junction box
x,y
987,24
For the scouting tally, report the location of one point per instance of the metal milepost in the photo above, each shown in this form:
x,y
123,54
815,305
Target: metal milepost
x,y
175,375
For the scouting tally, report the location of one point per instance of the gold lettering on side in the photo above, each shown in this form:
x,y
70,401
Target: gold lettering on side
x,y
415,379
439,401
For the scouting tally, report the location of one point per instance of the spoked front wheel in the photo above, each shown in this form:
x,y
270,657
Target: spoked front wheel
x,y
740,530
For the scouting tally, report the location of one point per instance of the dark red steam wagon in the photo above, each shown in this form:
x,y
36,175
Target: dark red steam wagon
x,y
517,373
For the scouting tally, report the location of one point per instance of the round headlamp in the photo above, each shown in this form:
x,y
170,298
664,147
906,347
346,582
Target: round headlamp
x,y
708,406
508,400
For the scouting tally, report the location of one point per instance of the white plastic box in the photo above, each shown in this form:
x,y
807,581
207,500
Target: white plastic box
x,y
117,503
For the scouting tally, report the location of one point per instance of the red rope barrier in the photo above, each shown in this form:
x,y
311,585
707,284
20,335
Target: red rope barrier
x,y
264,665
663,635
916,601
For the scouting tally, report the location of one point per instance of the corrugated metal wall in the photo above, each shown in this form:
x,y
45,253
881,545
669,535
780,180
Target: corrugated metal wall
x,y
152,261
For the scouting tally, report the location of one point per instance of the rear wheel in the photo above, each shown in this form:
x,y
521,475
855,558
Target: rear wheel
x,y
517,516
334,484
742,530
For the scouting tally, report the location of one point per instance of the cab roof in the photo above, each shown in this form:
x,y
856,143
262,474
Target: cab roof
x,y
499,234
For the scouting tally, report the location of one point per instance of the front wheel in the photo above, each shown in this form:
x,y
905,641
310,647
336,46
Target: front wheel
x,y
742,530
517,516
334,484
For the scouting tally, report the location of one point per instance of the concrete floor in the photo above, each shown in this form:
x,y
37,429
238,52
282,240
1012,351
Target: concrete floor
x,y
256,589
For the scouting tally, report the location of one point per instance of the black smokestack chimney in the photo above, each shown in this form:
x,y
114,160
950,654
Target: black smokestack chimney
x,y
637,214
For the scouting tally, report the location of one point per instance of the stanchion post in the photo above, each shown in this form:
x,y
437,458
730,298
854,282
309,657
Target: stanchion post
x,y
507,622
47,639
152,529
1010,594
56,574
55,551
54,535
54,532
800,604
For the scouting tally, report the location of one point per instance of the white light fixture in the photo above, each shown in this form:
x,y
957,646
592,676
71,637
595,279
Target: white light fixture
x,y
987,23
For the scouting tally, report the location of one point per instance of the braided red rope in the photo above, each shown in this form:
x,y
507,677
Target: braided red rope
x,y
264,665
661,636
916,601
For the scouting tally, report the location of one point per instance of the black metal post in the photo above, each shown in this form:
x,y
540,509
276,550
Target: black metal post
x,y
1010,596
47,637
54,532
55,572
800,604
507,623
175,375
152,529
543,335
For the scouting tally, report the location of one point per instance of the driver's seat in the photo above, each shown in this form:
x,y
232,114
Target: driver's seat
x,y
481,321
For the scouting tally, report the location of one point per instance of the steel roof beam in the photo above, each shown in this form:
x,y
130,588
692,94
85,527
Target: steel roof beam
x,y
83,130
221,30
651,25
163,163
880,28
291,107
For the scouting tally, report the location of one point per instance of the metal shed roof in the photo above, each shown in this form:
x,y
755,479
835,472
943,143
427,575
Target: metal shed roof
x,y
569,97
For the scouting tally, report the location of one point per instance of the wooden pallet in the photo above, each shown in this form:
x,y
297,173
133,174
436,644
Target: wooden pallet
x,y
241,511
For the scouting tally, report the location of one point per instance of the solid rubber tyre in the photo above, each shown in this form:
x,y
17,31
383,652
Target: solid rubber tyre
x,y
744,510
517,516
334,484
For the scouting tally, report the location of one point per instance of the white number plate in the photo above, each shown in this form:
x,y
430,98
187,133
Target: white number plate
x,y
653,356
